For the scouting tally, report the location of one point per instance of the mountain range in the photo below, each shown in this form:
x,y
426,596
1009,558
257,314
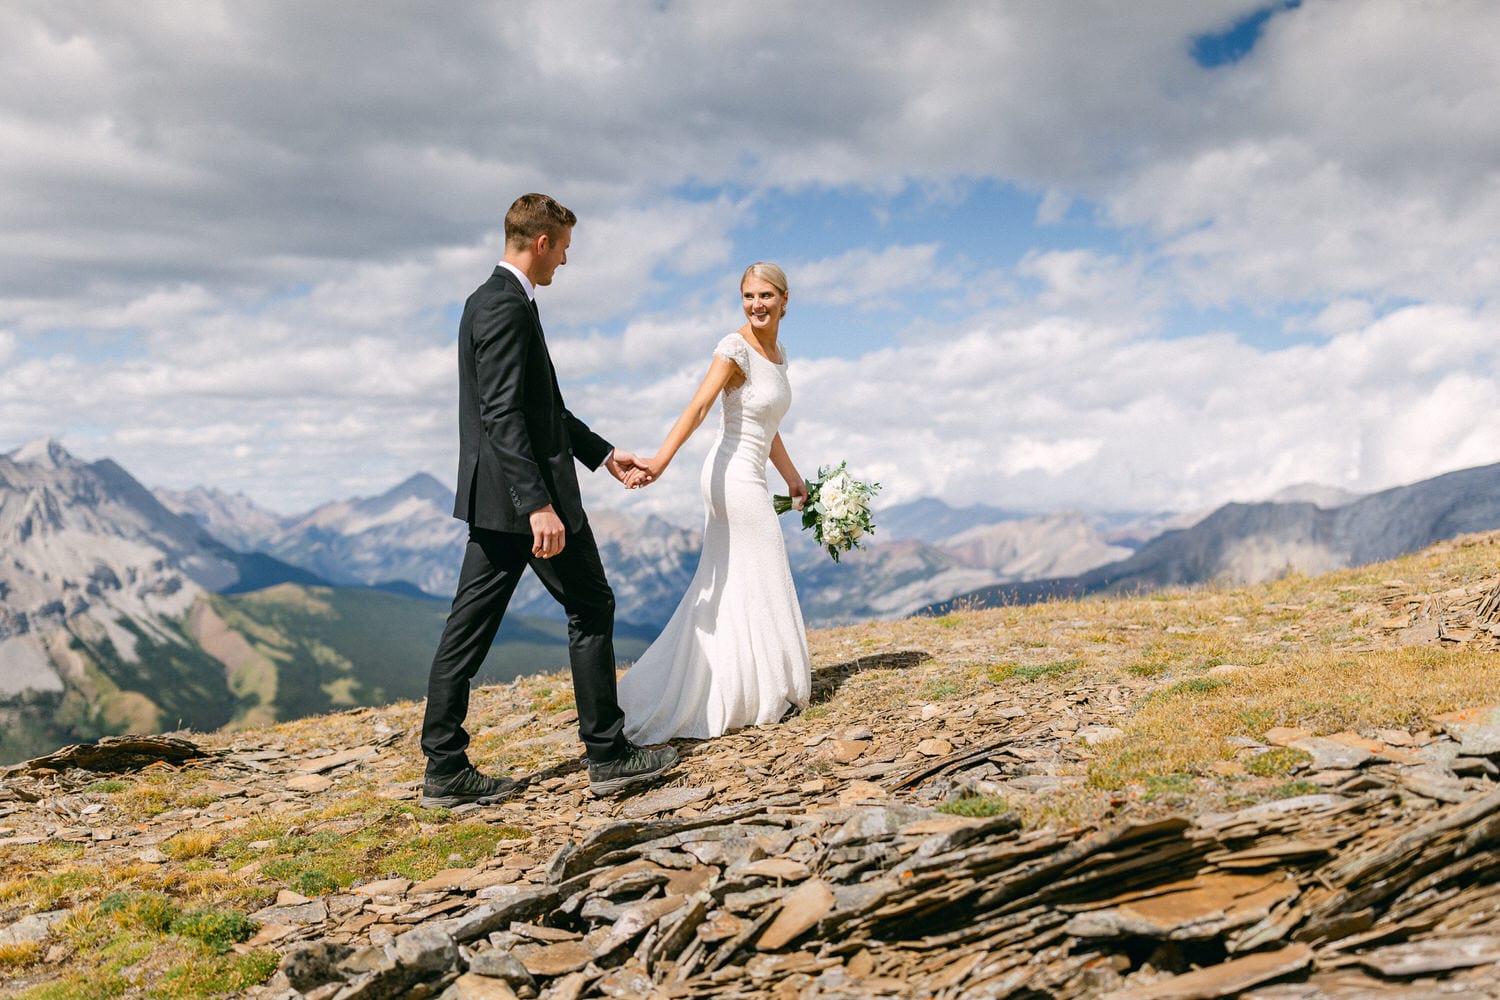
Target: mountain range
x,y
922,551
123,609
1256,542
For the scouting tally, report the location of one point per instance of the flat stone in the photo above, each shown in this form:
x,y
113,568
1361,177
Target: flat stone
x,y
471,986
686,881
1282,736
1433,784
858,791
1414,958
848,751
222,789
719,926
310,783
317,765
782,869
444,881
665,800
801,909
1225,979
1095,735
384,887
269,934
426,949
497,963
1332,755
1476,730
554,959
32,929
934,748
312,912
1195,909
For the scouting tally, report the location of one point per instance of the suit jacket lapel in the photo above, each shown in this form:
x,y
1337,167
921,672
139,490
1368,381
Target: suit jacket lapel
x,y
556,389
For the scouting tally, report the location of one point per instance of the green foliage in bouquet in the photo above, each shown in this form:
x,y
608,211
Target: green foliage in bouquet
x,y
837,509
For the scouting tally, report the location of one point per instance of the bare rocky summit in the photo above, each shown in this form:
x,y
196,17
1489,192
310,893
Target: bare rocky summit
x,y
943,821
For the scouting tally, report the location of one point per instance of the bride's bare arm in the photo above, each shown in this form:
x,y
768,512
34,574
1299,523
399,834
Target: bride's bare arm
x,y
797,489
720,374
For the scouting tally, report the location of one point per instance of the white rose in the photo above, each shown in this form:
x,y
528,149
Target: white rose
x,y
837,511
831,494
854,531
833,535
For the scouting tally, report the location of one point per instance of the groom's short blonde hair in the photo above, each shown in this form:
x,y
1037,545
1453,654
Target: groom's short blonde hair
x,y
533,215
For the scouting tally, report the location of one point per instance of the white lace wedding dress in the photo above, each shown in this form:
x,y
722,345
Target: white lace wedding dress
x,y
734,652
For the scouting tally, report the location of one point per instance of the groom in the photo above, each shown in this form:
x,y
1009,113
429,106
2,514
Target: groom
x,y
518,490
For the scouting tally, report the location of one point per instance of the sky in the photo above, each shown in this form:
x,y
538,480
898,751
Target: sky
x,y
1098,256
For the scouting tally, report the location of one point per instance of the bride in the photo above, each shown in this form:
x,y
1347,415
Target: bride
x,y
734,652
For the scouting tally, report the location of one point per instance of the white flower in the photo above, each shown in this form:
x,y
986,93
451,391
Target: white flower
x,y
831,494
837,510
833,535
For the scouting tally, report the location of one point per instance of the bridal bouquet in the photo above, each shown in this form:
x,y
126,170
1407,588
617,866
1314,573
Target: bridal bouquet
x,y
837,509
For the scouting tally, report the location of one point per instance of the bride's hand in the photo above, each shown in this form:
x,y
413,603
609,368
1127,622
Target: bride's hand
x,y
653,467
798,493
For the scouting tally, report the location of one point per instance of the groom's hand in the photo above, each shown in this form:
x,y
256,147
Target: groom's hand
x,y
548,536
627,468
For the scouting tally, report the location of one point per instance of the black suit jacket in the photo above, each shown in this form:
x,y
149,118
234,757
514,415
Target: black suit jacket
x,y
516,439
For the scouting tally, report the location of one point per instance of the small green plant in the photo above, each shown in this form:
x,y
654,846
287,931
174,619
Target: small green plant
x,y
315,883
1002,672
219,930
1160,785
107,786
216,975
976,805
1292,789
1277,762
940,690
149,911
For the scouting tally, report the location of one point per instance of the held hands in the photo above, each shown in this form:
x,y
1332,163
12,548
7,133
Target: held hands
x,y
647,470
632,470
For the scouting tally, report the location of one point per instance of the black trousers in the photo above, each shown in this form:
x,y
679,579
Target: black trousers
x,y
493,563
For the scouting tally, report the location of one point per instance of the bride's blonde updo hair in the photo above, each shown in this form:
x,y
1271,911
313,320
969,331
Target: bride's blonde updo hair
x,y
769,273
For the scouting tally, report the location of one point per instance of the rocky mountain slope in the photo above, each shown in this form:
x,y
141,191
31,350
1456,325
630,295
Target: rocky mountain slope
x,y
1247,543
1190,795
117,614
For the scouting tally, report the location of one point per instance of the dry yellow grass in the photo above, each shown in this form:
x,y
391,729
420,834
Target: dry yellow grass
x,y
191,844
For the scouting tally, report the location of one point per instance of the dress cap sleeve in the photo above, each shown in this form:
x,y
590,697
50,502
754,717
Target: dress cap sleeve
x,y
734,348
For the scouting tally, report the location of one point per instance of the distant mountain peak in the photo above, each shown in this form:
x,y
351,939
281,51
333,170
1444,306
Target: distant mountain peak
x,y
421,486
1315,493
44,451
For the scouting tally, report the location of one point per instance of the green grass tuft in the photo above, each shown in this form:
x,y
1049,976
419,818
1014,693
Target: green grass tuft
x,y
976,805
219,930
1277,762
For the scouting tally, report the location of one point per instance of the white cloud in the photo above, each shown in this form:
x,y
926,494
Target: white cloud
x,y
236,235
870,279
